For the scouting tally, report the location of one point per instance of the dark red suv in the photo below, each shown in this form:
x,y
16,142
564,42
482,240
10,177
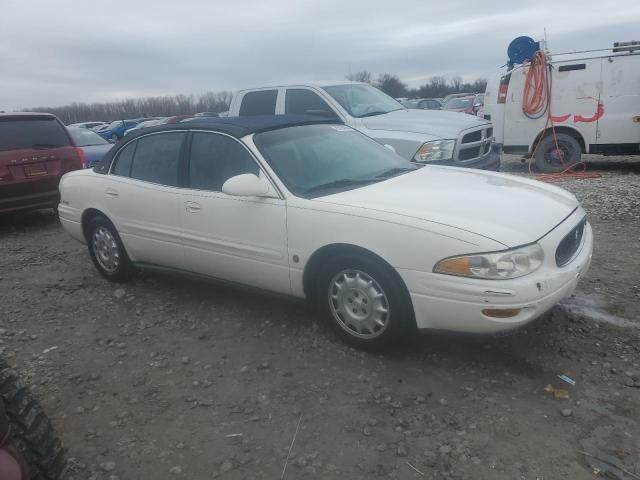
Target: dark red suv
x,y
35,151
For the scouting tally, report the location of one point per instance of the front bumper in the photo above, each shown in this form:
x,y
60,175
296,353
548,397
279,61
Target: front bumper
x,y
491,161
445,302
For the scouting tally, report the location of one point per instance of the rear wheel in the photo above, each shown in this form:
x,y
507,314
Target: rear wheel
x,y
363,300
107,251
553,158
31,436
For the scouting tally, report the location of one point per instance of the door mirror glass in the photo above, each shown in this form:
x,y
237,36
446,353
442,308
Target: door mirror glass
x,y
246,185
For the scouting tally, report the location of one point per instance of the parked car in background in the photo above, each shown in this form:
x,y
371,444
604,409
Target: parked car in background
x,y
206,114
35,151
93,145
470,104
115,130
89,125
455,95
424,136
145,124
314,209
423,104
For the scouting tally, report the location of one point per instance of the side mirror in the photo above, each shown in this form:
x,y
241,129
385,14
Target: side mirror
x,y
246,185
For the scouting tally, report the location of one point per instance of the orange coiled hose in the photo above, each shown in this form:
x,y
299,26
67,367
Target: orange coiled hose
x,y
536,103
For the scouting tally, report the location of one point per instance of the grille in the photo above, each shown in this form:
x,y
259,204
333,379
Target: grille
x,y
472,137
570,244
475,144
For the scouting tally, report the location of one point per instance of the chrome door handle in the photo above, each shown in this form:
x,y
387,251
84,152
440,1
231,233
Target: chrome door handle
x,y
111,193
192,207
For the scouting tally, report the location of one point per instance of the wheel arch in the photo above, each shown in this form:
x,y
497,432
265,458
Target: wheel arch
x,y
569,130
87,215
314,263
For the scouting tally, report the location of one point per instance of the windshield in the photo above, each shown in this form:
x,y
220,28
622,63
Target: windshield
x,y
115,124
362,100
459,103
85,138
316,160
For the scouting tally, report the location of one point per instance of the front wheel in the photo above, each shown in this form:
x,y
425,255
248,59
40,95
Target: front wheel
x,y
552,157
107,251
363,300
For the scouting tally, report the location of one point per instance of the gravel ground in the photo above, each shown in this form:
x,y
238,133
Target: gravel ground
x,y
171,378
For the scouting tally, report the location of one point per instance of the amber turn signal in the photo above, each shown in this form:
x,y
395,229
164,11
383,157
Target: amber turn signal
x,y
501,313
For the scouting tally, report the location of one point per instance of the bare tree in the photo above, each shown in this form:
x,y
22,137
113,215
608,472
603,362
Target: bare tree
x,y
456,83
361,76
391,85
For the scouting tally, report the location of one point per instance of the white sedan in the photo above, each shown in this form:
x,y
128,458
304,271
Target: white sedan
x,y
321,212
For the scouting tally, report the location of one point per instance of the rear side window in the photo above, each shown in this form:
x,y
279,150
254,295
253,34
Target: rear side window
x,y
214,159
124,160
305,102
156,158
262,102
33,133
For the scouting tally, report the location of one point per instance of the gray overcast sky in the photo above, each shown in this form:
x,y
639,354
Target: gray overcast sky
x,y
55,52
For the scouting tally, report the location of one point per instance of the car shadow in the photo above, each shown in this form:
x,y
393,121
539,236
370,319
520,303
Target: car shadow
x,y
23,222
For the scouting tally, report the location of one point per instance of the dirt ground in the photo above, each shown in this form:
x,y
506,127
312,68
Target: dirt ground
x,y
170,378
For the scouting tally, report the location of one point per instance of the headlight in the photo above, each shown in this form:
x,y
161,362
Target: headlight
x,y
494,266
436,150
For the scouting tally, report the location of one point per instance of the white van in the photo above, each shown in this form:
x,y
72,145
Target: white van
x,y
595,107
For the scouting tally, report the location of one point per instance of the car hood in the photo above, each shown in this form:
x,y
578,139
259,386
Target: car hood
x,y
438,123
507,209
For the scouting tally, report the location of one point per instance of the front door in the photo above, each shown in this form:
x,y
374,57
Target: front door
x,y
237,239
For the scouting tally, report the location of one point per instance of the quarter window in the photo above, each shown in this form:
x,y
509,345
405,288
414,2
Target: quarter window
x,y
214,159
305,102
124,160
156,158
262,102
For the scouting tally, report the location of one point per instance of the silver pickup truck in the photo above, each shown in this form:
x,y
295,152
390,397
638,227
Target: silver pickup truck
x,y
425,136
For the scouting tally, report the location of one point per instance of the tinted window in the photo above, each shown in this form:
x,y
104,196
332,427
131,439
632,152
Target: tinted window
x,y
259,103
38,133
215,159
305,102
156,158
123,161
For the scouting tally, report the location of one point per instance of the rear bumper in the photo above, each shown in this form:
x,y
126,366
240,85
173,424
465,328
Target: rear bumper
x,y
488,162
32,201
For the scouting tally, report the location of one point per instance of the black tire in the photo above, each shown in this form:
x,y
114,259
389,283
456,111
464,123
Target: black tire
x,y
31,431
124,269
549,160
398,319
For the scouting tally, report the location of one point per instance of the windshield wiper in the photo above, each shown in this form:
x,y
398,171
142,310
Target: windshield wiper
x,y
44,146
345,182
396,171
374,113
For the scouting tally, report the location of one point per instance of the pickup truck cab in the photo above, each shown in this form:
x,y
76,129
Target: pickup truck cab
x,y
425,136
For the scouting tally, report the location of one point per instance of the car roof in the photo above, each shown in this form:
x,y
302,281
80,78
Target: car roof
x,y
26,115
237,127
318,83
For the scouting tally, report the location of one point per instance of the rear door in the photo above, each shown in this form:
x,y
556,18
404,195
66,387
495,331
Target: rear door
x,y
620,98
35,151
142,197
